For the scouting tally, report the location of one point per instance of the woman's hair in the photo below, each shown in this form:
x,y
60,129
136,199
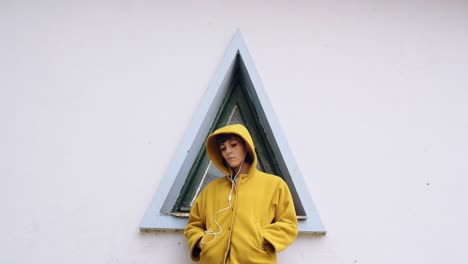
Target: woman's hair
x,y
221,138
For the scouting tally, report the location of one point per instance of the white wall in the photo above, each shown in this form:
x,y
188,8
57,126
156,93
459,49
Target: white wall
x,y
96,95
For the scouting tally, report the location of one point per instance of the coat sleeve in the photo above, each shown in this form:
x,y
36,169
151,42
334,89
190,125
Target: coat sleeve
x,y
195,229
283,230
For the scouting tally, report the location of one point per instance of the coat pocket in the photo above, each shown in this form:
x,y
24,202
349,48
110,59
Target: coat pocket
x,y
260,240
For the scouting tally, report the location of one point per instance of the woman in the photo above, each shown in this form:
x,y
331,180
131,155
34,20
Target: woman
x,y
247,216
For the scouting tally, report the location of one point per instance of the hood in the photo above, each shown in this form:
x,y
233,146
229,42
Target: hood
x,y
213,150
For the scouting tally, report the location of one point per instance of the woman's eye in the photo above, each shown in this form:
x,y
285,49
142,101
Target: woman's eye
x,y
233,145
223,149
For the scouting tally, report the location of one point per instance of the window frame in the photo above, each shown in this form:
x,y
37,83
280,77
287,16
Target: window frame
x,y
157,216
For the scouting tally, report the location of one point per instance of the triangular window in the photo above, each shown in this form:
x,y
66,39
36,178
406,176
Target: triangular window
x,y
234,96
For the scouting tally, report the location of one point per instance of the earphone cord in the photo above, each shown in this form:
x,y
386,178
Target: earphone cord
x,y
233,185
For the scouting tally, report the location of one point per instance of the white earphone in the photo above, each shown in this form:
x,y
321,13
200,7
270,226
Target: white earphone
x,y
233,186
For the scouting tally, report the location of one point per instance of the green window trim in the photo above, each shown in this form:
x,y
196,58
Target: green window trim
x,y
237,107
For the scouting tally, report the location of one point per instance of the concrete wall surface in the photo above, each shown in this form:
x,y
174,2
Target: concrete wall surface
x,y
95,97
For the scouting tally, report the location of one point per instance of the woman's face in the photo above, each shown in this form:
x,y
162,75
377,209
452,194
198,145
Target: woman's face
x,y
233,152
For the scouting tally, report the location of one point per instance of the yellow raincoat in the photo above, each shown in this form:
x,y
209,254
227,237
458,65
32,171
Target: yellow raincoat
x,y
257,223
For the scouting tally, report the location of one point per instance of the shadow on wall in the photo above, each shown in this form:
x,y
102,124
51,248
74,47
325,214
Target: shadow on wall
x,y
165,246
171,246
